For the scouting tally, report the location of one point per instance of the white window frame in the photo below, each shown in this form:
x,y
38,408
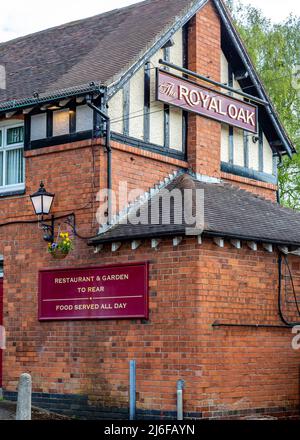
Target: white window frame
x,y
4,126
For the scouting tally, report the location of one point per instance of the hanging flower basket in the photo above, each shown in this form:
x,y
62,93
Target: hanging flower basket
x,y
59,254
62,247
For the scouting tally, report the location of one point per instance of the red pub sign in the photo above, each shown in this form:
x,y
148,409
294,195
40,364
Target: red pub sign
x,y
192,97
108,292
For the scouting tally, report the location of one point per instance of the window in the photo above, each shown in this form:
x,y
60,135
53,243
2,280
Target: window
x,y
11,157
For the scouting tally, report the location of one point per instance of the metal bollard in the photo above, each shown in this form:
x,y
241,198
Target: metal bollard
x,y
132,391
24,398
180,388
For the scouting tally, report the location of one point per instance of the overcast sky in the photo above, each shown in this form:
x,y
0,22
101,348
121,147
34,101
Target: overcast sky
x,y
21,17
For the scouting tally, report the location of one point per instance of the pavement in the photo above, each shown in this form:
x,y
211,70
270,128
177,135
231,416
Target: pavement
x,y
7,410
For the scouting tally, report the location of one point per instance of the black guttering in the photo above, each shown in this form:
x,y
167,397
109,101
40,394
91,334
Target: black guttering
x,y
105,116
249,173
18,104
290,149
97,240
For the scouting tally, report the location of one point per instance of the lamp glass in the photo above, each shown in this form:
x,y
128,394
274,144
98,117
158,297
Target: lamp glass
x,y
42,201
37,204
47,203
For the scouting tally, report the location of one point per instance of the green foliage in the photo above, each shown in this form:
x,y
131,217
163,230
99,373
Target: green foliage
x,y
275,52
63,244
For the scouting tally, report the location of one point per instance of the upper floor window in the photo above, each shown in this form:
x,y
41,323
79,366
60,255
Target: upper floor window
x,y
11,157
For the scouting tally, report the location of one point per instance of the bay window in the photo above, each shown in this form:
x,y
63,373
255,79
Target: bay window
x,y
11,157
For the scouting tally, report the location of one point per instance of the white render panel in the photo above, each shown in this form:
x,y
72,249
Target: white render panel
x,y
116,112
176,129
176,51
225,143
136,112
38,128
253,153
61,124
238,155
224,69
268,156
84,118
236,86
156,108
156,118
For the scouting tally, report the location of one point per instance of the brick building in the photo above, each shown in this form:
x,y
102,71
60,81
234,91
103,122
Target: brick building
x,y
220,304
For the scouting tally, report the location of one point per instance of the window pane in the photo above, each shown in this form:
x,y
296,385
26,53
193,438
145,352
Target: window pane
x,y
1,169
15,135
0,138
14,167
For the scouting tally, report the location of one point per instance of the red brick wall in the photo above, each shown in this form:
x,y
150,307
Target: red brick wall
x,y
139,169
266,190
204,51
190,287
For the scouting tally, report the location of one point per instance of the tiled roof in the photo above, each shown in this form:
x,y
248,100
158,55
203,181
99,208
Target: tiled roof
x,y
94,49
229,212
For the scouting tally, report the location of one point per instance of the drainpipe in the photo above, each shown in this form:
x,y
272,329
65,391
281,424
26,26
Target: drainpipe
x,y
279,165
180,388
108,152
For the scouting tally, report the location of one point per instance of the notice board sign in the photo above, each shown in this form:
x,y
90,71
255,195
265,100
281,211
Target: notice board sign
x,y
195,98
107,292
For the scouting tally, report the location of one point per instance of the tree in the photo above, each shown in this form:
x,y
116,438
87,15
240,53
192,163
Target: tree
x,y
275,52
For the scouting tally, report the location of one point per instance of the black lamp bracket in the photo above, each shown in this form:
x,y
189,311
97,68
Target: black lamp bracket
x,y
48,226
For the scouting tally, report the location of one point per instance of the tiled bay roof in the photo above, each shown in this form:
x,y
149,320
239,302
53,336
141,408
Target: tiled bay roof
x,y
229,212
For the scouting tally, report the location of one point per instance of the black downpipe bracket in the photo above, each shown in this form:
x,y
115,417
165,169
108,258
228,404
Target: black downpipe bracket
x,y
286,323
281,314
108,152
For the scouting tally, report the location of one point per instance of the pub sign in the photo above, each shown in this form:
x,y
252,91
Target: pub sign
x,y
190,96
107,292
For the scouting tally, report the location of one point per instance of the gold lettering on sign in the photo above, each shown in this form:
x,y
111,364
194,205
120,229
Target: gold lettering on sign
x,y
233,111
242,115
168,89
213,105
250,118
207,102
220,108
184,94
120,306
205,99
194,97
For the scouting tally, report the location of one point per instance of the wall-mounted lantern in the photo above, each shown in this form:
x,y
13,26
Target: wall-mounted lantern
x,y
42,202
